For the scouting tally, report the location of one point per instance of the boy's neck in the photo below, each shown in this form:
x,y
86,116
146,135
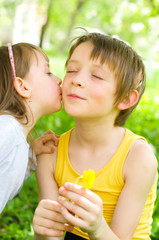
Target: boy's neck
x,y
95,133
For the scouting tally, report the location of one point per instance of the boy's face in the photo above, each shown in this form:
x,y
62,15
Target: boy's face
x,y
88,87
44,86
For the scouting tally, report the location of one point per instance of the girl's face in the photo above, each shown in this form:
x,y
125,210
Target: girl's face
x,y
88,89
44,87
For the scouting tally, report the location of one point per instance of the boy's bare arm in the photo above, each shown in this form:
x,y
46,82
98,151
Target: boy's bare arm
x,y
47,217
139,174
45,176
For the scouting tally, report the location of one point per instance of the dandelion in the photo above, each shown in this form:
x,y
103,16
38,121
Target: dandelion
x,y
87,178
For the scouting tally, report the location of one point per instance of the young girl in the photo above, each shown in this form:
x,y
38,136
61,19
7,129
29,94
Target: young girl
x,y
28,90
104,81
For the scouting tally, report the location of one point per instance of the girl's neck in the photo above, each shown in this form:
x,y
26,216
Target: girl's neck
x,y
26,130
27,127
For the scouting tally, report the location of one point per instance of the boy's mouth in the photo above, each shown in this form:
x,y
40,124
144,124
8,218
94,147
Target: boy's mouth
x,y
75,97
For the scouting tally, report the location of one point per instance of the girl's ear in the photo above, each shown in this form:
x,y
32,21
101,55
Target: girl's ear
x,y
129,101
21,87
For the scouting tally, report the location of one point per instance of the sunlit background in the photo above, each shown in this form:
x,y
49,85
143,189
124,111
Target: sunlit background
x,y
51,24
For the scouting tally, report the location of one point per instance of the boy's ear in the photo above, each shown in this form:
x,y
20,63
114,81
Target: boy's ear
x,y
21,87
129,101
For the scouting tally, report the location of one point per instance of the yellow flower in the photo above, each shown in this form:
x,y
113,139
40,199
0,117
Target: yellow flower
x,y
87,178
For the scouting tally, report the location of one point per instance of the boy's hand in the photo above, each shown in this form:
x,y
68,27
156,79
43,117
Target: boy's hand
x,y
48,219
85,210
40,145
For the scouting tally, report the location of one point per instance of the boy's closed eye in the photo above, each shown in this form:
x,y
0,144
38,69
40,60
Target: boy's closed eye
x,y
96,76
71,70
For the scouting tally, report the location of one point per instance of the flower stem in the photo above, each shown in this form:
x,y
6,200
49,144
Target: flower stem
x,y
64,236
77,179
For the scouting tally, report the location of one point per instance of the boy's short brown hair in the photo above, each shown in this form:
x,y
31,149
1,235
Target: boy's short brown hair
x,y
123,61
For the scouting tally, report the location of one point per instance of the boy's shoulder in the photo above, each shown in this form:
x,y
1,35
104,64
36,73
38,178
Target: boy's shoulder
x,y
140,159
134,135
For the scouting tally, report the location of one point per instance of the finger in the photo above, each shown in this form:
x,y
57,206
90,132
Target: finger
x,y
72,219
44,222
50,205
77,199
57,136
48,214
53,138
50,137
47,149
77,194
47,231
49,132
91,196
74,208
50,210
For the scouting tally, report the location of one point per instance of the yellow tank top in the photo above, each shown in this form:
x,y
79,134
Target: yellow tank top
x,y
108,183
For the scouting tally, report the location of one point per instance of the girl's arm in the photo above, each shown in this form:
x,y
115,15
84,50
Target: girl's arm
x,y
47,218
139,174
39,145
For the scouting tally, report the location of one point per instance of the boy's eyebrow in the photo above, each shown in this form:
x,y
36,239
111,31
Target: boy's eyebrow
x,y
97,65
94,64
74,61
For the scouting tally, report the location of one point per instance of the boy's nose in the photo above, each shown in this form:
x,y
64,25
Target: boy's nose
x,y
78,80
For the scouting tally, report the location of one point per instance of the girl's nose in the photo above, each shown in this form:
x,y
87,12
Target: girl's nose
x,y
59,81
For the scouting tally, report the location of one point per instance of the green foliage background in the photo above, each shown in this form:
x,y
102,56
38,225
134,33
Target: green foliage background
x,y
134,21
16,218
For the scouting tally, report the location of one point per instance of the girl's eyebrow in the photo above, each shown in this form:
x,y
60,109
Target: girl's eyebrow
x,y
47,64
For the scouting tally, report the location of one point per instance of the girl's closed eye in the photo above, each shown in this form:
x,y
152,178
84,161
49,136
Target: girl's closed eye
x,y
49,73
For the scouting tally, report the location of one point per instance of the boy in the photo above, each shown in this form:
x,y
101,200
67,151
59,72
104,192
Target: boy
x,y
104,82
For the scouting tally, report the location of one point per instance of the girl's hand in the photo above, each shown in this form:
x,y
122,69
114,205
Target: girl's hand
x,y
48,220
45,143
85,210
